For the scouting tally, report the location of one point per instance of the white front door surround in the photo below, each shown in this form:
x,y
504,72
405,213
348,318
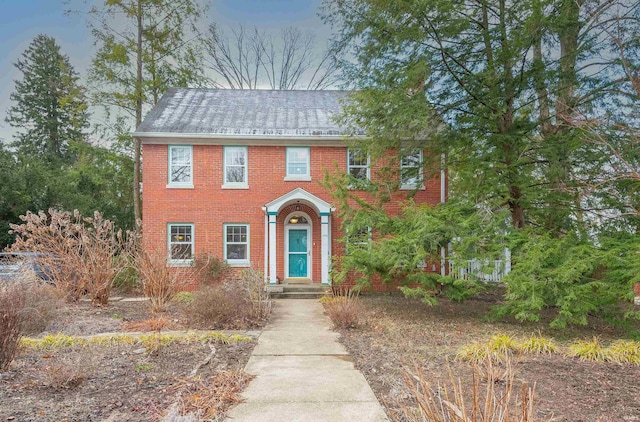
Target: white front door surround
x,y
272,209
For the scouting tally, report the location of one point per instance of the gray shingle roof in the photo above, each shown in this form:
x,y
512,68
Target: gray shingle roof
x,y
254,113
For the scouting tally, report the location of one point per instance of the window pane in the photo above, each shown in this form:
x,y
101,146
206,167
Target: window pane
x,y
359,173
180,174
410,168
298,161
181,233
297,169
181,242
357,158
181,251
237,242
235,174
236,251
235,156
180,168
235,159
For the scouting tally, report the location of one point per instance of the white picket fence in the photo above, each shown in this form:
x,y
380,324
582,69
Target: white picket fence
x,y
488,271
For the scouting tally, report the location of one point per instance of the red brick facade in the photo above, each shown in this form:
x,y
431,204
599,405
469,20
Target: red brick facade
x,y
208,206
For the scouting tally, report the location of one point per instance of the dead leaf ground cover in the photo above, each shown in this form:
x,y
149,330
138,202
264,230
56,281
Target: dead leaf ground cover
x,y
399,333
123,382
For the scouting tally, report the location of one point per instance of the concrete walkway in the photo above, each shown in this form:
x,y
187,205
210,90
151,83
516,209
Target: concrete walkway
x,y
303,373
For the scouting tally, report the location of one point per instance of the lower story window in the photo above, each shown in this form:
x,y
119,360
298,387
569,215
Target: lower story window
x,y
236,244
180,243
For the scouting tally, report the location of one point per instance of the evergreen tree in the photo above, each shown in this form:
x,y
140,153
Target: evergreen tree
x,y
502,88
49,107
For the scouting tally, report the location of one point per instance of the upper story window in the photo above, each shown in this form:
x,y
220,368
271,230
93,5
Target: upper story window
x,y
181,165
180,243
411,171
235,167
298,163
236,244
358,164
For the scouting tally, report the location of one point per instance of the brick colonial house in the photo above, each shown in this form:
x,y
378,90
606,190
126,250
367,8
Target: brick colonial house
x,y
237,174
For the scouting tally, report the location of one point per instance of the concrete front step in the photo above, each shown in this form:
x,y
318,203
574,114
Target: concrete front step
x,y
298,295
298,291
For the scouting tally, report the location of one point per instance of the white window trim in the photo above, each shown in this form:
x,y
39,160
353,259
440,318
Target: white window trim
x,y
368,165
179,185
237,262
295,177
414,186
181,262
235,185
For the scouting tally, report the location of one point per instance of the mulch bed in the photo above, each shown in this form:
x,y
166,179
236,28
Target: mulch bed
x,y
399,333
115,383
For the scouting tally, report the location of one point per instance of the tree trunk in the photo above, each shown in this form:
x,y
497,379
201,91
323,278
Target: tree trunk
x,y
137,153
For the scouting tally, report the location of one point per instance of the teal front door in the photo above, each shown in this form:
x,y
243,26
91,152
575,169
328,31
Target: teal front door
x,y
298,253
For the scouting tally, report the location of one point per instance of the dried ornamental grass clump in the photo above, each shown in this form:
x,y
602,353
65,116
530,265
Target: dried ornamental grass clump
x,y
537,344
499,348
624,352
588,350
344,312
488,394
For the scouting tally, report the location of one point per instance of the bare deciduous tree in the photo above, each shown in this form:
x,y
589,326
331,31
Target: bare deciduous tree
x,y
250,59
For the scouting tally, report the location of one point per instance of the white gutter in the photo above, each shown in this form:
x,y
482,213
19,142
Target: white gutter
x,y
238,136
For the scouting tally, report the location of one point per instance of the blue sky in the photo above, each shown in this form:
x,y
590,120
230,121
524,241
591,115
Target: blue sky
x,y
22,20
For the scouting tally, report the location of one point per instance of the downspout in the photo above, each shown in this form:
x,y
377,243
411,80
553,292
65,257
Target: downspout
x,y
266,243
443,199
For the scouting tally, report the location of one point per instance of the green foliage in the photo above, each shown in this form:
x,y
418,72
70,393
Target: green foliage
x,y
51,165
512,97
573,277
403,248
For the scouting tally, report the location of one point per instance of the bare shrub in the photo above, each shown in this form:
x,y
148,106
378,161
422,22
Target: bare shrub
x,y
490,394
252,282
222,305
344,311
159,282
238,302
211,269
79,254
12,301
42,305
